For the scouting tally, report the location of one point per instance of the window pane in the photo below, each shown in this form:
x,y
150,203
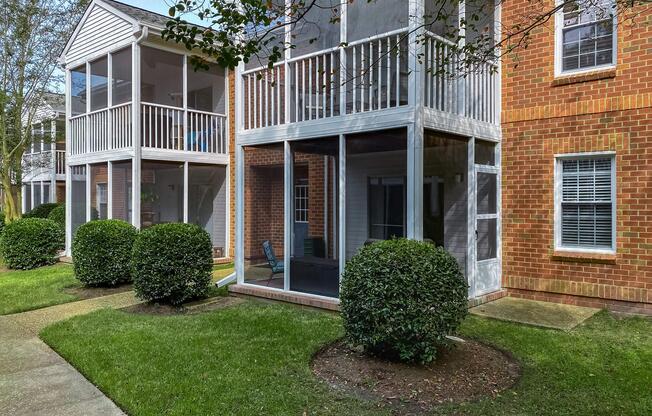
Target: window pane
x,y
122,197
161,194
207,202
319,28
487,241
485,153
314,267
264,230
372,17
37,194
78,196
206,89
78,90
46,193
28,196
487,188
99,84
99,191
376,168
161,77
121,85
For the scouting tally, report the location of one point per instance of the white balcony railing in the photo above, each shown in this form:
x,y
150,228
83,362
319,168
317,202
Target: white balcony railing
x,y
78,134
471,93
43,162
60,162
106,129
163,128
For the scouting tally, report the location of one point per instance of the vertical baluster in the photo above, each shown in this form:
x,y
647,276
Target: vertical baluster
x,y
273,96
310,93
398,70
324,115
388,92
303,90
255,103
266,98
296,91
279,90
355,80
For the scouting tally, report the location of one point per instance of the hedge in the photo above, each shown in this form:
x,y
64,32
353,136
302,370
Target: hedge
x,y
101,252
58,215
172,263
28,243
401,298
42,211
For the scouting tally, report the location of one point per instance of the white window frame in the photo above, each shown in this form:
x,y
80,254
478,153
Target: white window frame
x,y
559,30
558,196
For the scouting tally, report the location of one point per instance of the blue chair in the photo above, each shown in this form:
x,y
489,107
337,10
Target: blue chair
x,y
276,266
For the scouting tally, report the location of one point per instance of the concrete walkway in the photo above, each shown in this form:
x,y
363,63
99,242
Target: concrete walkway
x,y
34,380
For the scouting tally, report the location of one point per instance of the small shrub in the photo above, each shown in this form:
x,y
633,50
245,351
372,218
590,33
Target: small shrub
x,y
101,252
42,211
172,263
401,298
31,242
58,215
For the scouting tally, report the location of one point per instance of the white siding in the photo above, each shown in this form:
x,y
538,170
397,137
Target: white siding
x,y
101,30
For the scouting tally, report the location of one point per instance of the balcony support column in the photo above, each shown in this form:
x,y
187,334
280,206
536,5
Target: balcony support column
x,y
135,134
68,211
415,129
53,161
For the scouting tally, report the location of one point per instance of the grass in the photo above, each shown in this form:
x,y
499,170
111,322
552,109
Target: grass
x,y
254,359
24,290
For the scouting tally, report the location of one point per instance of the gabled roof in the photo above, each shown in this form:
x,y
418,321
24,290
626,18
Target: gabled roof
x,y
141,15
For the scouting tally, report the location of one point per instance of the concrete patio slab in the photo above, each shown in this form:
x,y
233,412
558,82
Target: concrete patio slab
x,y
536,313
34,380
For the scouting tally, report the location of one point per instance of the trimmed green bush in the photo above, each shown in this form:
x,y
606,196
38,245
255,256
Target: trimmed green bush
x,y
58,215
42,211
401,298
172,263
28,243
101,252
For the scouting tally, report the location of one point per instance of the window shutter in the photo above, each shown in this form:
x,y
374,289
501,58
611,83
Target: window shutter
x,y
586,204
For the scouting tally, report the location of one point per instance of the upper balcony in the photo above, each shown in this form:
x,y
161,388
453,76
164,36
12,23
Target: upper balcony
x,y
180,111
370,66
45,160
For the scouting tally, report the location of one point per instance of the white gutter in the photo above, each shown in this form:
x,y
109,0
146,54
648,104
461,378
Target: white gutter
x,y
225,281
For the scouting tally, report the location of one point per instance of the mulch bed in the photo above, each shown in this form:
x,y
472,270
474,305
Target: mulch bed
x,y
85,292
205,305
467,371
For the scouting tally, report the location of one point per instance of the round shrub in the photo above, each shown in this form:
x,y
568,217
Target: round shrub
x,y
401,298
101,252
172,263
42,211
28,243
58,215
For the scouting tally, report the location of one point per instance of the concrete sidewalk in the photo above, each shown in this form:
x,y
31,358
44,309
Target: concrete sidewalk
x,y
34,380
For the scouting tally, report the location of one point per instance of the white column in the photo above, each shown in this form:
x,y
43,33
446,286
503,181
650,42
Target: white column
x,y
461,81
109,104
239,213
185,103
88,193
287,213
343,67
68,175
341,244
185,192
470,220
53,160
87,139
109,190
415,130
135,134
286,66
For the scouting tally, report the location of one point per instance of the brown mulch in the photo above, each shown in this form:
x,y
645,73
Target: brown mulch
x,y
86,292
205,305
467,371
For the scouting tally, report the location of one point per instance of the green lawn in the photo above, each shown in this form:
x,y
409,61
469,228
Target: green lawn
x,y
23,290
254,358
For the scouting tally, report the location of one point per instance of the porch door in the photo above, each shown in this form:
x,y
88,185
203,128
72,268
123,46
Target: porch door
x,y
487,226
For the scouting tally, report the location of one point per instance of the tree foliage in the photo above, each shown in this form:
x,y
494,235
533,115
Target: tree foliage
x,y
32,34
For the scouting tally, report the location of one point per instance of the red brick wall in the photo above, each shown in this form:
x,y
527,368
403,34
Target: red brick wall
x,y
543,116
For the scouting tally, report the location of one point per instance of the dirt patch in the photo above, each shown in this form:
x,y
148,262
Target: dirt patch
x,y
204,305
468,371
85,292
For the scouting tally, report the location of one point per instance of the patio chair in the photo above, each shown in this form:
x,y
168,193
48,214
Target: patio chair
x,y
274,264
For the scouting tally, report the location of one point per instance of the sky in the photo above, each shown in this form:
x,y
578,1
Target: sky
x,y
158,6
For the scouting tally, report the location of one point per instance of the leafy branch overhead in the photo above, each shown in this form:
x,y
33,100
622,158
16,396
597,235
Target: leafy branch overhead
x,y
254,31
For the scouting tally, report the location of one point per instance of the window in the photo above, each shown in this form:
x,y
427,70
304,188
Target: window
x,y
301,201
102,200
386,208
586,36
585,203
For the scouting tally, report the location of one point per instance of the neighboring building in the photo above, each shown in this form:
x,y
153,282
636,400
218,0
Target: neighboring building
x,y
44,169
147,134
336,147
577,183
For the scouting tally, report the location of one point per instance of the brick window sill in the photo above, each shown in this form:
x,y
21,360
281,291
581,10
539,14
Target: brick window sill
x,y
585,77
583,257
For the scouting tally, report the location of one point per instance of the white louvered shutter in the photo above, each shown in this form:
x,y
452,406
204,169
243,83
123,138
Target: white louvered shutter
x,y
586,203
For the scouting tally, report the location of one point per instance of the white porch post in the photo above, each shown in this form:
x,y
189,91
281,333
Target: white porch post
x,y
415,130
68,210
109,190
185,192
53,161
341,237
135,134
88,193
287,212
470,220
343,67
239,213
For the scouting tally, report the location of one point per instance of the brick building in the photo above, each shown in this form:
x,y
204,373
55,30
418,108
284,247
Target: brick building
x,y
577,145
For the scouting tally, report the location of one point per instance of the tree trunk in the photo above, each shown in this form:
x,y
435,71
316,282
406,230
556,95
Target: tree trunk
x,y
11,203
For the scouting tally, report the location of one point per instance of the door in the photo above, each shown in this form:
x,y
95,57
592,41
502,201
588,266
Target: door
x,y
487,226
